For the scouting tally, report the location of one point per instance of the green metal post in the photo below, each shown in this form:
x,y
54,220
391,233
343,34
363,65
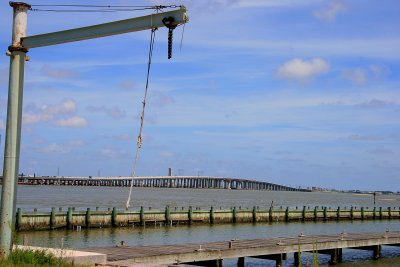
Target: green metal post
x,y
190,215
114,217
69,218
270,214
287,214
53,218
167,215
13,128
315,214
87,218
142,222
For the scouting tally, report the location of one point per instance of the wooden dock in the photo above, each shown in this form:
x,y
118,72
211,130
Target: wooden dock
x,y
277,249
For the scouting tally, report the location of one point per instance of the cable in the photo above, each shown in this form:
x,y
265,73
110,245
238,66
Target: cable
x,y
139,140
161,6
107,8
84,10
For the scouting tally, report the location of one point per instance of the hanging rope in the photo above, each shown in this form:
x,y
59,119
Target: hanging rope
x,y
139,139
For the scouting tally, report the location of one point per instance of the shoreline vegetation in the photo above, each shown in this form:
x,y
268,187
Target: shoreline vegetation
x,y
34,258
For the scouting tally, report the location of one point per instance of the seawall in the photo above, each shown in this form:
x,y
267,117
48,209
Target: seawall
x,y
72,219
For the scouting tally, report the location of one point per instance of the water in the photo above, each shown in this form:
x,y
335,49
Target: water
x,y
45,197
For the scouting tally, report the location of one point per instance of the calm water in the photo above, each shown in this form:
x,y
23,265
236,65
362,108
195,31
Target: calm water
x,y
45,197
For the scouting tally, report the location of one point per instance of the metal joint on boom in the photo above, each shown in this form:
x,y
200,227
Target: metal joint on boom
x,y
19,29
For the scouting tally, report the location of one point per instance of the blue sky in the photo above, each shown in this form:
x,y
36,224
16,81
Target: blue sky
x,y
302,93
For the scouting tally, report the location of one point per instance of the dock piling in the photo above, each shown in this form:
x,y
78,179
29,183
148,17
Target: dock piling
x,y
114,217
190,215
53,218
69,218
18,221
142,222
87,218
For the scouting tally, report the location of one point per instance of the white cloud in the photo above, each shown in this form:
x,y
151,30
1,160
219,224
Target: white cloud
x,y
160,99
34,114
167,155
74,121
59,73
379,71
77,143
114,112
358,137
54,148
357,76
127,84
109,152
302,70
274,3
35,118
330,12
124,137
375,103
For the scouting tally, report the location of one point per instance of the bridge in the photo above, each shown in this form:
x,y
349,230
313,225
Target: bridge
x,y
158,181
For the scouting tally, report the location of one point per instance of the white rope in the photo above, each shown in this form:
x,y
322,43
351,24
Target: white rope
x,y
139,139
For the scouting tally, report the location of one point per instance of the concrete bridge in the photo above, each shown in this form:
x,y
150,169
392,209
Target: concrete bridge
x,y
158,181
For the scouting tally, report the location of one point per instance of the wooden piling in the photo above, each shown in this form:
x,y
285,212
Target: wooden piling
x,y
114,217
87,218
270,214
315,214
142,221
352,213
212,218
18,221
69,218
190,215
53,218
167,215
287,214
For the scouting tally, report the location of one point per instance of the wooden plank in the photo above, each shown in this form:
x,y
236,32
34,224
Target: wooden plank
x,y
240,248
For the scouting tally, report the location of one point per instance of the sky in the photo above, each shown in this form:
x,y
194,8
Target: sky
x,y
300,93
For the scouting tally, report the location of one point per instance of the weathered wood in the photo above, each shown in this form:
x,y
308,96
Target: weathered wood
x,y
267,248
